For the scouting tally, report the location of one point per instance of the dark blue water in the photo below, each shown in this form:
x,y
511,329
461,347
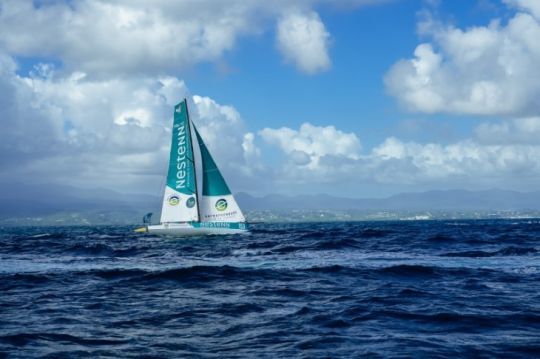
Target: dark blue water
x,y
396,289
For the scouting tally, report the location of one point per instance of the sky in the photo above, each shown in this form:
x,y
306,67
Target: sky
x,y
356,98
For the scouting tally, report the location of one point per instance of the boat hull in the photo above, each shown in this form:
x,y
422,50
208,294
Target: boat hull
x,y
190,229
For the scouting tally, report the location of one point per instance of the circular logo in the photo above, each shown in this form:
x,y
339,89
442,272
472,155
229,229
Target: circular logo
x,y
221,204
173,200
190,202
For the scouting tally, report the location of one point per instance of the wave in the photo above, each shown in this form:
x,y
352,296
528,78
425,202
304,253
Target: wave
x,y
90,249
362,286
202,273
318,245
412,271
507,251
409,270
417,271
46,235
22,281
374,233
338,243
336,268
412,292
472,320
22,339
41,235
94,249
441,238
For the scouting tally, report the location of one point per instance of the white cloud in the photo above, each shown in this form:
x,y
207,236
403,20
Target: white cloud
x,y
111,133
303,40
472,161
224,132
486,70
460,162
310,143
68,129
103,119
515,131
252,154
127,37
532,6
130,37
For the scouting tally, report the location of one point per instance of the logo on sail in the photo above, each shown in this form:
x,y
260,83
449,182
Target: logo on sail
x,y
190,202
221,204
181,158
173,200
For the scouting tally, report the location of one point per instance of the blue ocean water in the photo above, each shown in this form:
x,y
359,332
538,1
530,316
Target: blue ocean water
x,y
375,289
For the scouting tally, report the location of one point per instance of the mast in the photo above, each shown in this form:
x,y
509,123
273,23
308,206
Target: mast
x,y
194,164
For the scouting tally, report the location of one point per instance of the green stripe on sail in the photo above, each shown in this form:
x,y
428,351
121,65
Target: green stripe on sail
x,y
181,174
213,182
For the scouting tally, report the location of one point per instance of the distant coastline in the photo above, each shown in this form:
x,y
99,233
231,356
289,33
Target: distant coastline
x,y
58,205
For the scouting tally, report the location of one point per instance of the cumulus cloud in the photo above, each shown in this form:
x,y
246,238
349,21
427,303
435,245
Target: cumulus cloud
x,y
310,143
113,133
515,131
483,70
303,40
104,38
102,116
531,6
224,132
463,162
396,162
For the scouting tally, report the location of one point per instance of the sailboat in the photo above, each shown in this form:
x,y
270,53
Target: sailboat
x,y
184,212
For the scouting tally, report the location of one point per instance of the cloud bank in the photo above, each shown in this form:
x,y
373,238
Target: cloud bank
x,y
490,158
113,133
104,38
101,116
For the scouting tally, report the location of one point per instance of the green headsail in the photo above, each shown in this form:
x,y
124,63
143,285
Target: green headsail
x,y
181,174
213,182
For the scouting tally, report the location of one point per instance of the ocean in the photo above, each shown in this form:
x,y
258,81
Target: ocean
x,y
432,289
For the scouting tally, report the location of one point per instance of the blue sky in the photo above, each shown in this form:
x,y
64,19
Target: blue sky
x,y
351,97
365,43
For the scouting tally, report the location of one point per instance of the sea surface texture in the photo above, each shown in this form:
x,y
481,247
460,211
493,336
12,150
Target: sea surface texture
x,y
371,289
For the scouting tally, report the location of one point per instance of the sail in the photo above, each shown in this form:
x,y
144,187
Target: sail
x,y
217,202
180,198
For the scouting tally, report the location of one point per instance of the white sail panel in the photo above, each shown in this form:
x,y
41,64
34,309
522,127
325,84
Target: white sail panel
x,y
178,207
220,209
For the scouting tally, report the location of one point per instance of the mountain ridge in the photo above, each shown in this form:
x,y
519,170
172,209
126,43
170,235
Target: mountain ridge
x,y
20,200
456,199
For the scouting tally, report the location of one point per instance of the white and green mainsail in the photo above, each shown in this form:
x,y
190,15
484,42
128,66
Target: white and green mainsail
x,y
181,202
180,198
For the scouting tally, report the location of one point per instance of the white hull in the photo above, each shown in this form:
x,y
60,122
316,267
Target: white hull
x,y
196,229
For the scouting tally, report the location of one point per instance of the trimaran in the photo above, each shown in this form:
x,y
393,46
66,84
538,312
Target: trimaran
x,y
184,212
